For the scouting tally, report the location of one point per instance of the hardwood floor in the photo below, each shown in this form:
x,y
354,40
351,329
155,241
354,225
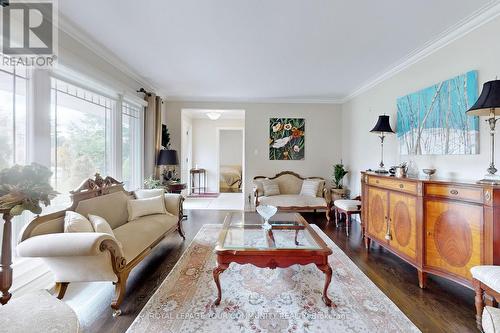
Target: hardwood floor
x,y
442,307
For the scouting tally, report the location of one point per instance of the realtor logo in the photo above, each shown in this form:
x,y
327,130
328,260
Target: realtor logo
x,y
29,33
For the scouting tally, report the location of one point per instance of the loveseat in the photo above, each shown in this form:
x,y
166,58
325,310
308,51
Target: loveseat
x,y
97,256
289,197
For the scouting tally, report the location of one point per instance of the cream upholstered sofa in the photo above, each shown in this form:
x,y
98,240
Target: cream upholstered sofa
x,y
92,256
289,199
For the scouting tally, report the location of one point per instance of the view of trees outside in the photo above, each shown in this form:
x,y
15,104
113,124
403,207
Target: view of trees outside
x,y
130,148
80,139
12,121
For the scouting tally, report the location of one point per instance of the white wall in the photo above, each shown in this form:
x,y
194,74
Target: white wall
x,y
205,146
323,136
361,149
231,147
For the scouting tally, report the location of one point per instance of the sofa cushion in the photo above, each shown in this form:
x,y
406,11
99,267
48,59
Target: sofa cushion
x,y
293,200
148,193
148,206
112,207
348,205
138,235
74,222
102,226
489,275
310,187
270,187
491,320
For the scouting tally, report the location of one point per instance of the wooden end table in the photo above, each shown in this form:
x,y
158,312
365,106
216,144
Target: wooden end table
x,y
245,242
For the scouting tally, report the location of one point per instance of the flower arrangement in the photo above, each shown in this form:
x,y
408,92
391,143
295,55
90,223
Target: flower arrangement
x,y
339,173
25,188
286,140
152,183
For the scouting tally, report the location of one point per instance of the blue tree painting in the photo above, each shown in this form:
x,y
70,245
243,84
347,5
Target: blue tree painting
x,y
433,120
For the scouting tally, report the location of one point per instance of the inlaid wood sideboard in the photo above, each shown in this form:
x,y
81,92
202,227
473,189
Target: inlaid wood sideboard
x,y
439,227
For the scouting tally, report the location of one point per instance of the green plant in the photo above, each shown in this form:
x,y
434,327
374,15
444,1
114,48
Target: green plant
x,y
165,137
152,183
24,188
339,173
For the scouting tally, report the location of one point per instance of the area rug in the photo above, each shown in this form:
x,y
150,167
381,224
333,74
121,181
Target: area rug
x,y
263,300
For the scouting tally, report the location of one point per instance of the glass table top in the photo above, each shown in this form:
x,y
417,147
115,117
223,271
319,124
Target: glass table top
x,y
243,231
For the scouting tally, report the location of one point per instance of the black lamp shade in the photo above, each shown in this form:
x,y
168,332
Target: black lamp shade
x,y
168,157
488,101
383,125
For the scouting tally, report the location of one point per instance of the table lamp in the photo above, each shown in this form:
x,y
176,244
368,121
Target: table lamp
x,y
382,127
168,157
488,104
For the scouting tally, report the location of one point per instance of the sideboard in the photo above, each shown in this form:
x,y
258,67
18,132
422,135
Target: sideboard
x,y
440,227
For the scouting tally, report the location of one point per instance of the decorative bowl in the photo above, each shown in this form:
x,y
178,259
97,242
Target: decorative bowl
x,y
266,212
429,172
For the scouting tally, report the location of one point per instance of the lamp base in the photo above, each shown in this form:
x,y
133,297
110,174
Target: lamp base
x,y
383,171
490,179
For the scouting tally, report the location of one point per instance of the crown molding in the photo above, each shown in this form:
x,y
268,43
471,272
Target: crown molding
x,y
66,26
480,17
284,100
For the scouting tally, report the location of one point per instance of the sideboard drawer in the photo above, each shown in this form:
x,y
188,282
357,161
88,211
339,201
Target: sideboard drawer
x,y
455,192
394,184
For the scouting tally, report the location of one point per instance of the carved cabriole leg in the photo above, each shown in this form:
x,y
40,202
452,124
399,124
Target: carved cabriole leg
x,y
422,278
328,279
367,242
347,223
181,217
61,288
328,217
216,272
479,303
120,288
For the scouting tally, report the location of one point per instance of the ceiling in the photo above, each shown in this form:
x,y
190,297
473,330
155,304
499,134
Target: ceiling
x,y
225,114
264,49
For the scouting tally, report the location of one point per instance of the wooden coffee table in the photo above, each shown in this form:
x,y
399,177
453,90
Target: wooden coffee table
x,y
291,241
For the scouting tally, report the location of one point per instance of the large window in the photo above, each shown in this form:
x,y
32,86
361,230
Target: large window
x,y
80,134
131,145
13,84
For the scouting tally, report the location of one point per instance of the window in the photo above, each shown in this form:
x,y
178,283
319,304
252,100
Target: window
x,y
80,135
13,83
131,145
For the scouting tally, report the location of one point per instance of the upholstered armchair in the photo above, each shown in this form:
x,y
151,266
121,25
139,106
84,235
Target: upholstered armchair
x,y
486,281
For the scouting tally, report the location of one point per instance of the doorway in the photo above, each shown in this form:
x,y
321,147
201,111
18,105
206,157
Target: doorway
x,y
230,143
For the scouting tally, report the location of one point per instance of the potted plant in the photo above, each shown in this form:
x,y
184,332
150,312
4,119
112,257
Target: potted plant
x,y
21,188
25,188
338,190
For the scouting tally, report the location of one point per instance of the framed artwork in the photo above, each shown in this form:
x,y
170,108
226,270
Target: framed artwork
x,y
433,120
286,138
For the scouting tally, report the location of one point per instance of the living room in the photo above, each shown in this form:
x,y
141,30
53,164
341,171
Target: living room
x,y
362,195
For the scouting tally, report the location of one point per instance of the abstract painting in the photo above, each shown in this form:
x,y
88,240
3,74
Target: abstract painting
x,y
433,120
286,138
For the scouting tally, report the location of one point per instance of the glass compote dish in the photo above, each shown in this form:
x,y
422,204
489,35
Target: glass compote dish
x,y
266,212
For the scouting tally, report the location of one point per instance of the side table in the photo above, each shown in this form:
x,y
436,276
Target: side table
x,y
199,172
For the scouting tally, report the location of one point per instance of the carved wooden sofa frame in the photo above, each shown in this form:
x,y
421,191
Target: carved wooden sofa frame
x,y
92,188
325,195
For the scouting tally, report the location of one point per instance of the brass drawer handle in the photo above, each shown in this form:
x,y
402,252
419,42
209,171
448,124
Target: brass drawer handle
x,y
401,186
454,192
377,181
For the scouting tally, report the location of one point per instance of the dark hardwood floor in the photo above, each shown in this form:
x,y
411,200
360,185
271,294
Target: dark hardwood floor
x,y
442,307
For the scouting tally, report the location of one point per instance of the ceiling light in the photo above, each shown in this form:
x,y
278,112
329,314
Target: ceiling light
x,y
213,115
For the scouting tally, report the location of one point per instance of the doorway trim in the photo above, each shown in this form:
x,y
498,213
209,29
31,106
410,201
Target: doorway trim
x,y
217,154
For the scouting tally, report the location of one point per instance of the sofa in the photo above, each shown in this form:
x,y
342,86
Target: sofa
x,y
289,197
96,256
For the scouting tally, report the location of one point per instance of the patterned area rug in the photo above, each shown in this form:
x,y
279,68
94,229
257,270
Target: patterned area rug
x,y
265,300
